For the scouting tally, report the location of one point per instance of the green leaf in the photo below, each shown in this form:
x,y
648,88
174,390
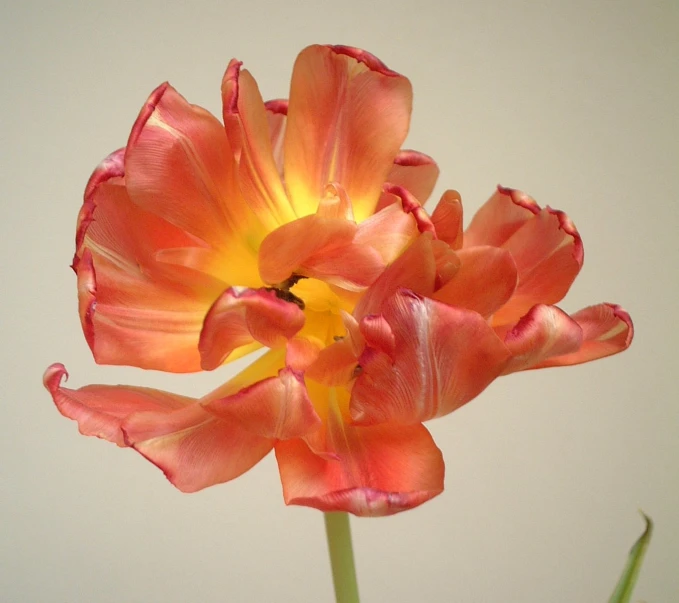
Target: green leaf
x,y
625,586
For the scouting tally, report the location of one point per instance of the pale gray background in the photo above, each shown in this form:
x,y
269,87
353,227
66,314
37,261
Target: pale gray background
x,y
574,102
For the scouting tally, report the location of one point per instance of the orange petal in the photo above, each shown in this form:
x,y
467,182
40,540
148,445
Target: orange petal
x,y
130,319
443,357
277,117
241,317
319,247
247,128
278,407
606,329
334,365
389,231
193,448
378,471
179,165
447,219
100,409
548,253
545,332
301,352
347,119
500,217
415,172
484,282
415,269
135,310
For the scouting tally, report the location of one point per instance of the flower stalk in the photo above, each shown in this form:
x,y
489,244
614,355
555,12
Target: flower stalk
x,y
338,533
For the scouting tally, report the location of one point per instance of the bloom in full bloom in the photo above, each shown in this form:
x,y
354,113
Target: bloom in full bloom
x,y
299,226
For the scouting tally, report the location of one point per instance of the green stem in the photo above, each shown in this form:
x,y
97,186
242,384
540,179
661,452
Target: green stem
x,y
341,551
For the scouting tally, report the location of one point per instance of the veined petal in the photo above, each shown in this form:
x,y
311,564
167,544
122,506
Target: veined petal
x,y
447,219
193,448
548,254
135,307
100,409
277,407
241,317
606,330
500,217
545,332
348,116
130,319
179,165
443,358
371,471
484,282
247,128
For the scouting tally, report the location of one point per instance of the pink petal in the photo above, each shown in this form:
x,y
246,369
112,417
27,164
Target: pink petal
x,y
443,358
378,470
277,116
545,332
484,282
131,319
348,116
411,206
447,219
606,329
548,253
241,317
277,408
100,409
414,269
247,128
378,334
193,448
500,217
415,172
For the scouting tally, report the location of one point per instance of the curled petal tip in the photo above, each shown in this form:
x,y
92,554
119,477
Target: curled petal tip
x,y
622,315
146,111
230,86
566,224
54,375
410,158
278,106
411,206
365,57
519,198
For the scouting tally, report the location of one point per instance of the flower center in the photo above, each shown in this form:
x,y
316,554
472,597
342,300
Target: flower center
x,y
322,305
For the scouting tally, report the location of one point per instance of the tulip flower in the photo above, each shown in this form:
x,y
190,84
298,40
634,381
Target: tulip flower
x,y
299,226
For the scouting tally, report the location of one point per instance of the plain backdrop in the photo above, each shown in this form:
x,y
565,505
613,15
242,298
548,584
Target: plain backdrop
x,y
574,102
